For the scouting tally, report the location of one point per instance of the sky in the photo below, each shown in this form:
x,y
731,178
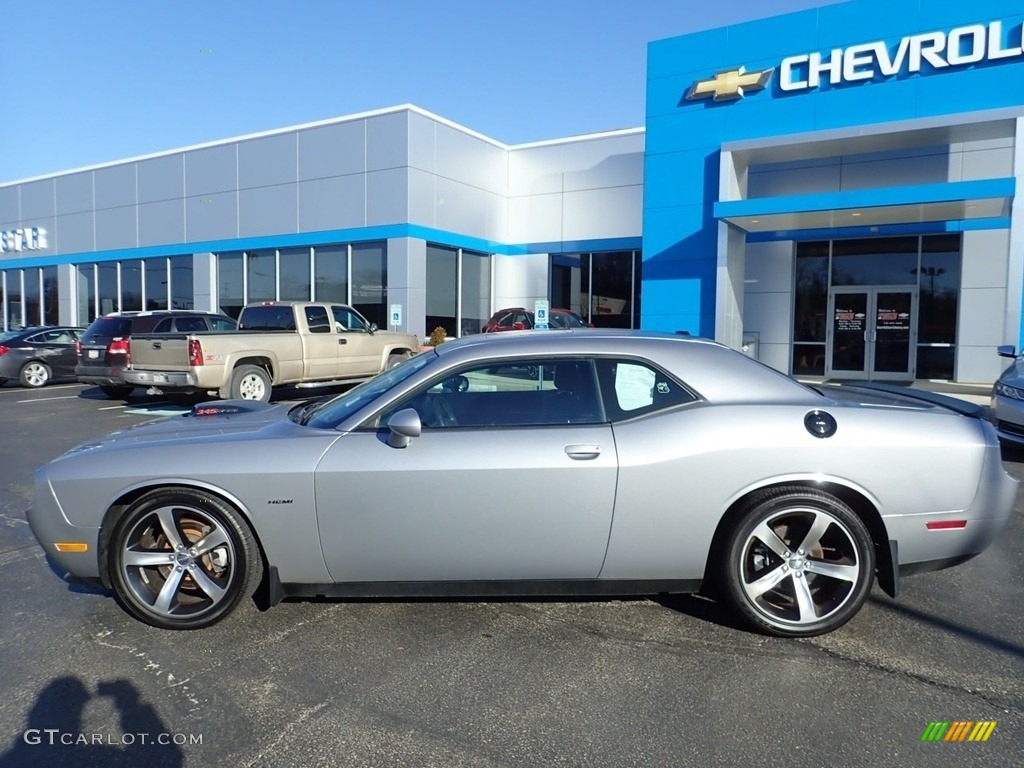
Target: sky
x,y
95,81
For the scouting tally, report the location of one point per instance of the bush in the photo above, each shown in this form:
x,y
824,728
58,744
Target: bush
x,y
437,336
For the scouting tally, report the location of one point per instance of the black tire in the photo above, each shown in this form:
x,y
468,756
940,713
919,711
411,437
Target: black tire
x,y
35,374
212,560
116,392
395,358
250,382
800,562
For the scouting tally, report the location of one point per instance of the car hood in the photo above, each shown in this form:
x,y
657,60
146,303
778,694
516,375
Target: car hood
x,y
221,418
1014,375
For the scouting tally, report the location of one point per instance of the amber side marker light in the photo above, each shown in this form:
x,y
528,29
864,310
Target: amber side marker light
x,y
71,546
945,525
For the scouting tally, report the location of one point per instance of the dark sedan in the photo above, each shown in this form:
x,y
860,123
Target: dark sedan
x,y
35,356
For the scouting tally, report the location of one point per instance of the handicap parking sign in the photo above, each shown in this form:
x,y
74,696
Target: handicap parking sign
x,y
540,315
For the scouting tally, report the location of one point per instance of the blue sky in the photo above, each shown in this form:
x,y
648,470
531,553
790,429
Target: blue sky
x,y
91,82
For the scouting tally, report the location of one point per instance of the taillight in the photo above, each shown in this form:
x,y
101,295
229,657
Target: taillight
x,y
121,347
4,350
195,352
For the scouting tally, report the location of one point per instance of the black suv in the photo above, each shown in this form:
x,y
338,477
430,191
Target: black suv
x,y
105,349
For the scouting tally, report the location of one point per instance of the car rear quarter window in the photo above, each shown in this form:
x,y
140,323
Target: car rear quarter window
x,y
108,328
633,388
222,324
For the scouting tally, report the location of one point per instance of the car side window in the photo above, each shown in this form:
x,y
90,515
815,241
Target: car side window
x,y
164,325
347,320
222,324
632,388
506,321
317,320
190,324
526,393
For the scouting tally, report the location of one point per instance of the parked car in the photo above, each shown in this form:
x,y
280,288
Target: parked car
x,y
35,356
104,352
521,319
1008,399
300,343
632,463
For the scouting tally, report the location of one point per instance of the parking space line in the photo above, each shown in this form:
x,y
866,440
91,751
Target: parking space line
x,y
46,399
112,407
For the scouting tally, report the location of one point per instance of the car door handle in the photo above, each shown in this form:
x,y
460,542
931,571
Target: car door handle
x,y
343,341
582,452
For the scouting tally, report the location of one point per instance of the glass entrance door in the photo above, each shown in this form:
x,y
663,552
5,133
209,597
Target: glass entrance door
x,y
871,333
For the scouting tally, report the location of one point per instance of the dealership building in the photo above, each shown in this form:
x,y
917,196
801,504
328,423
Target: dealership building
x,y
836,192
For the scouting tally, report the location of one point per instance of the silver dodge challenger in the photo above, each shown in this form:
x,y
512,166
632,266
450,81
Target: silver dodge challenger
x,y
574,463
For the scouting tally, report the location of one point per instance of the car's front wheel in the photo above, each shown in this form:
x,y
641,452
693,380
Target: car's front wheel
x,y
182,559
34,374
800,562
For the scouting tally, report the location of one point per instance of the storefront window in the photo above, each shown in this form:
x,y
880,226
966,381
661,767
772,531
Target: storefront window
x,y
476,292
604,288
230,284
86,294
106,279
369,281
14,316
442,281
131,286
330,273
294,266
182,289
51,300
156,283
938,291
261,274
874,261
810,308
33,305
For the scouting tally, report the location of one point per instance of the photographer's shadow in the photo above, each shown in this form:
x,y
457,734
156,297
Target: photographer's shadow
x,y
53,734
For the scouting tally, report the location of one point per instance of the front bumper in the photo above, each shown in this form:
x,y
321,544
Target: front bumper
x,y
171,380
1008,418
51,526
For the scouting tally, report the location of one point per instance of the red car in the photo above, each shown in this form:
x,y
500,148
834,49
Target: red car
x,y
521,319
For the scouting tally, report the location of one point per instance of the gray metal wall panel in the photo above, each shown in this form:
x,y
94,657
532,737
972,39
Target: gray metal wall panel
x,y
10,205
268,161
387,141
333,150
115,186
37,199
422,147
161,222
116,228
535,218
387,193
423,199
535,171
926,169
613,162
209,171
162,178
986,255
470,160
461,208
211,217
794,181
987,164
335,203
75,233
769,267
74,193
267,210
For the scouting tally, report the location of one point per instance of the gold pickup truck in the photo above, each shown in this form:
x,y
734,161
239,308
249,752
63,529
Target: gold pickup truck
x,y
296,343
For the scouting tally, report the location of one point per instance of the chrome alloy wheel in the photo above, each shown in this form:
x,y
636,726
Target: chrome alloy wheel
x,y
34,374
178,562
252,387
800,566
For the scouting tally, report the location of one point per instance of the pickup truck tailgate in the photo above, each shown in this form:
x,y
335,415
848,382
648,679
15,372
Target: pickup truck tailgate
x,y
160,352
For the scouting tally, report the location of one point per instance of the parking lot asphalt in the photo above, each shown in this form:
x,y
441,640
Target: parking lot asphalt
x,y
635,682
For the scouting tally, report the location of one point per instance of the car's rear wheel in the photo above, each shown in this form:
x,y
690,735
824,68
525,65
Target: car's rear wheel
x,y
800,562
34,374
116,392
182,559
250,382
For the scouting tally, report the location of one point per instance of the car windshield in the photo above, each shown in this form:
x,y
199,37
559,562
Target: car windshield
x,y
330,413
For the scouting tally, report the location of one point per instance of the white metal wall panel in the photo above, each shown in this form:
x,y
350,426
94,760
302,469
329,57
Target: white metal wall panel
x,y
767,314
75,233
387,144
332,150
162,178
470,160
387,195
987,164
422,142
268,161
769,267
461,207
332,203
162,222
535,171
37,199
986,254
211,217
115,186
268,210
74,193
116,228
601,213
211,170
536,218
603,163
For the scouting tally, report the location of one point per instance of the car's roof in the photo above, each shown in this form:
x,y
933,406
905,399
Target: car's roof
x,y
717,372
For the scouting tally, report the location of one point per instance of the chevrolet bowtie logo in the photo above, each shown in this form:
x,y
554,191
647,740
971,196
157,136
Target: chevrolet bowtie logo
x,y
729,84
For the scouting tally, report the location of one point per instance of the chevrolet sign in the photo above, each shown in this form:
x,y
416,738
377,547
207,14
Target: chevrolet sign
x,y
928,51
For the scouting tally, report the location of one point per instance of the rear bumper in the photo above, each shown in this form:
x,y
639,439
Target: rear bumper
x,y
169,380
100,374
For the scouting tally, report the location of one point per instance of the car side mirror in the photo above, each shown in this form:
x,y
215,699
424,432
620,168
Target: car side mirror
x,y
1006,350
404,426
372,328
